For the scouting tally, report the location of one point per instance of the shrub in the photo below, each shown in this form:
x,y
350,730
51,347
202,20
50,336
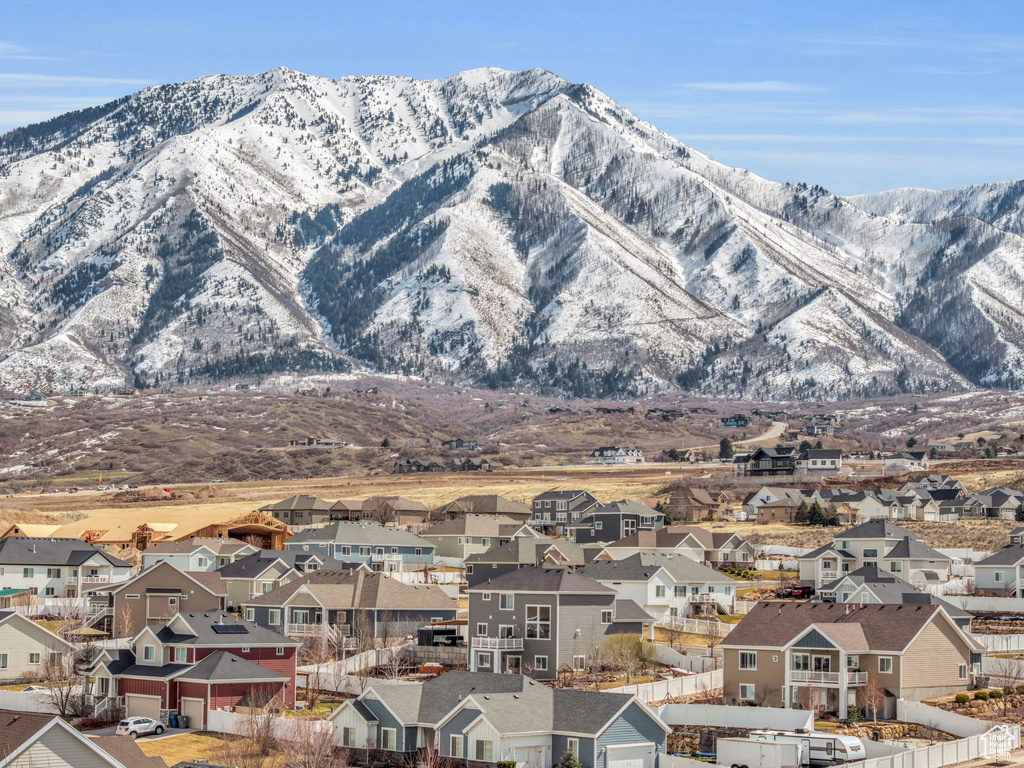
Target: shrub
x,y
995,694
981,695
91,723
962,698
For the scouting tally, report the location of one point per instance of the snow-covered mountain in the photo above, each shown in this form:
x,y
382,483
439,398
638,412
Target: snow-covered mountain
x,y
493,227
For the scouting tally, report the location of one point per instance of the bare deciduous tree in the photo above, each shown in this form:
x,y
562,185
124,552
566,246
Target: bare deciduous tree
x,y
872,694
629,653
59,673
1007,673
309,743
710,633
124,622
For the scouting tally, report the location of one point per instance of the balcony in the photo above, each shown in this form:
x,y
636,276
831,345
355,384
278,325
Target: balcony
x,y
806,676
305,630
95,579
829,575
498,643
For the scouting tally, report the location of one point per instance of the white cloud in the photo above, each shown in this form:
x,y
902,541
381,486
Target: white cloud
x,y
11,51
26,80
761,86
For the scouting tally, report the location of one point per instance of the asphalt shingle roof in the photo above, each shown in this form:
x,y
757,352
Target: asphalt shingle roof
x,y
643,565
533,578
302,502
223,665
472,525
358,532
1010,555
204,631
253,565
29,550
360,589
530,551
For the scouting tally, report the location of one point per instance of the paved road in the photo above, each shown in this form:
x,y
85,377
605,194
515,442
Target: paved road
x,y
112,731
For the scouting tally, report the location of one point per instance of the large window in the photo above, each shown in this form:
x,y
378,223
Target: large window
x,y
801,662
538,622
573,745
485,751
748,659
659,590
389,738
348,737
148,653
457,746
506,601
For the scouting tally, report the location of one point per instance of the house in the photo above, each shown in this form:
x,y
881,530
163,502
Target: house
x,y
736,420
767,493
870,584
198,554
523,552
1002,571
472,534
30,740
485,718
299,510
381,548
999,502
267,569
816,462
193,663
667,586
693,505
538,619
484,504
141,528
386,510
458,444
152,596
875,543
765,462
473,464
933,483
712,549
614,455
780,510
553,510
37,530
411,466
53,568
26,646
356,602
824,655
610,522
901,462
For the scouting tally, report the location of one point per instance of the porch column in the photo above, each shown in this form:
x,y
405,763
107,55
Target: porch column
x,y
787,681
843,687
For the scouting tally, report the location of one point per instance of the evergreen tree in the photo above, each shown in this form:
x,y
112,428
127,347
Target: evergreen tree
x,y
1019,514
815,515
911,442
802,512
725,449
805,445
660,507
385,443
569,760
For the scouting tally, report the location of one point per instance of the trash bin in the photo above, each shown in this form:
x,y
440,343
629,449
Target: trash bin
x,y
182,721
172,720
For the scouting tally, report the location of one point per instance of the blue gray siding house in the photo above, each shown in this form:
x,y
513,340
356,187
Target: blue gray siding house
x,y
379,547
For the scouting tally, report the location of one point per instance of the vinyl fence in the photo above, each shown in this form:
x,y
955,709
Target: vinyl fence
x,y
332,674
675,761
431,577
736,717
697,626
975,603
26,701
1001,643
773,565
691,663
660,690
289,729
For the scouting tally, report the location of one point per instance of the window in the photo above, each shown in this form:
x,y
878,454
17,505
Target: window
x,y
250,614
573,745
563,505
885,664
389,738
132,597
53,573
746,692
3,661
203,562
267,586
280,650
853,662
33,658
870,553
148,653
579,663
274,616
998,576
606,617
364,551
680,591
245,649
598,525
506,601
659,590
485,751
457,746
538,622
28,573
346,550
822,664
481,630
181,655
485,596
961,671
748,659
801,662
394,550
728,590
694,590
418,551
896,567
560,517
50,592
348,737
540,663
484,542
484,661
469,570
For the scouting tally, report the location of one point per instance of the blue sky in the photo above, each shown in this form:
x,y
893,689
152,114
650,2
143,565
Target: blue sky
x,y
855,96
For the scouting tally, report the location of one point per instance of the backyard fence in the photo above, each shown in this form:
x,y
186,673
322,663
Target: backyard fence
x,y
1001,643
333,676
696,626
660,690
702,715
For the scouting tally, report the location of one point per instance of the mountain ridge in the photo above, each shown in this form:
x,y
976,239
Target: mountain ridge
x,y
496,227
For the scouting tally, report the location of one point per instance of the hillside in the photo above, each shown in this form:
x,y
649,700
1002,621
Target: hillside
x,y
504,229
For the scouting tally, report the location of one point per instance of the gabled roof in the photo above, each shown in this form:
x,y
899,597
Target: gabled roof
x,y
1010,555
642,566
876,529
302,502
358,532
360,589
914,549
122,585
672,536
211,580
253,565
487,504
224,666
529,551
127,753
629,611
623,508
471,525
207,629
826,549
19,731
533,578
219,546
397,503
44,551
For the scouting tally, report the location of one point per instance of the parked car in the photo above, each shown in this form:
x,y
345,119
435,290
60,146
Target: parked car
x,y
799,591
139,726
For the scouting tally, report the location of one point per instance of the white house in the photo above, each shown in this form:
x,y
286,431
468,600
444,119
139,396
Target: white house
x,y
56,568
26,645
197,554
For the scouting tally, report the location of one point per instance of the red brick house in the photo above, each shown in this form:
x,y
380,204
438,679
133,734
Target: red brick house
x,y
195,663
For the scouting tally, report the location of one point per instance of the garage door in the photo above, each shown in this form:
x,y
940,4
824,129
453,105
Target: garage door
x,y
530,757
194,709
632,756
142,706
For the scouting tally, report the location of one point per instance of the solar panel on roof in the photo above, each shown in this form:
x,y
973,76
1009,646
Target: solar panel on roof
x,y
230,629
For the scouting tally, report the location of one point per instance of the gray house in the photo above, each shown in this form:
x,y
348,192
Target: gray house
x,y
267,569
523,552
554,510
611,522
539,619
380,548
487,718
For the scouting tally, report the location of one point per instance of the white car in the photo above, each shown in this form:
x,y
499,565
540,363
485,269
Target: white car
x,y
139,726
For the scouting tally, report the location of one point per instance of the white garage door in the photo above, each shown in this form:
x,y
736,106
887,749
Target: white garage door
x,y
632,756
194,709
529,757
142,706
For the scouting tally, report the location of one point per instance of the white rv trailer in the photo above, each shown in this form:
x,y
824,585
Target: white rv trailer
x,y
818,748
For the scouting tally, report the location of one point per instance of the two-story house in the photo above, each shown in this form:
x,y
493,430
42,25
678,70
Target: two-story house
x,y
696,505
194,663
386,510
484,504
822,655
614,455
613,521
56,568
667,586
538,619
266,569
522,552
357,603
554,510
711,548
1002,572
379,547
765,462
299,510
485,718
472,534
152,596
817,462
875,543
26,646
198,554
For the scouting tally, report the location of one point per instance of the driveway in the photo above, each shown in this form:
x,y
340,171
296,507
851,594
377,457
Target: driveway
x,y
112,731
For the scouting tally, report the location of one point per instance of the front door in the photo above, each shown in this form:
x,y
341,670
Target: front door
x,y
513,665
